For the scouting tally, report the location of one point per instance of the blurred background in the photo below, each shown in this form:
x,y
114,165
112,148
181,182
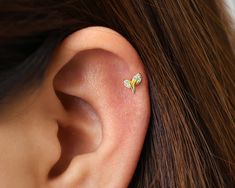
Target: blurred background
x,y
231,7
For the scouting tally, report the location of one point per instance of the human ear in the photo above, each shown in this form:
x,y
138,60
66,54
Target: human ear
x,y
104,126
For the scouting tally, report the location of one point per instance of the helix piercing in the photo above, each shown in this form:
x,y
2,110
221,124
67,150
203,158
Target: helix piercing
x,y
131,84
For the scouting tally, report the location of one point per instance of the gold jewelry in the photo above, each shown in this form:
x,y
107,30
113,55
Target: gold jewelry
x,y
136,80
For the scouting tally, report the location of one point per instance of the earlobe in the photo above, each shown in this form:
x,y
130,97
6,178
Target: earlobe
x,y
106,120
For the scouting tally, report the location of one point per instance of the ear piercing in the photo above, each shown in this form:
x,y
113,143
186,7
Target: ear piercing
x,y
136,80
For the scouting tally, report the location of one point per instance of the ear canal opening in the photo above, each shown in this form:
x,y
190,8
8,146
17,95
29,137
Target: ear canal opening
x,y
80,134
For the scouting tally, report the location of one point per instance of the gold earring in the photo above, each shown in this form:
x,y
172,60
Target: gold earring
x,y
136,80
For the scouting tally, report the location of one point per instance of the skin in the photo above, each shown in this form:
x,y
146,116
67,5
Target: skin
x,y
78,128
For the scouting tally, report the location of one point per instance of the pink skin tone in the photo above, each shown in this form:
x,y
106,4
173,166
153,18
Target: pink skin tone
x,y
81,127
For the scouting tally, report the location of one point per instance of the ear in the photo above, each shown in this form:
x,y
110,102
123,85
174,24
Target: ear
x,y
105,124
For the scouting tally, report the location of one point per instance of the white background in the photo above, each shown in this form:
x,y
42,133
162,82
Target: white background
x,y
231,7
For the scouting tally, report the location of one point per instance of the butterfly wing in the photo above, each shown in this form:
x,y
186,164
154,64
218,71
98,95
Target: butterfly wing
x,y
127,83
137,78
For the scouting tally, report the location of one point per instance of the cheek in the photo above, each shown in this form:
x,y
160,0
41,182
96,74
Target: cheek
x,y
28,150
15,159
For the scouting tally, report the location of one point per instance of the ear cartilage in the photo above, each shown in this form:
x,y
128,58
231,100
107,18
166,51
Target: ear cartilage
x,y
131,84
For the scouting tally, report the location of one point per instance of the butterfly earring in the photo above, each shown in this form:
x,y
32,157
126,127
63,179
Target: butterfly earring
x,y
131,84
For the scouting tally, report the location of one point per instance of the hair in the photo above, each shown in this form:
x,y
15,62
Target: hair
x,y
186,49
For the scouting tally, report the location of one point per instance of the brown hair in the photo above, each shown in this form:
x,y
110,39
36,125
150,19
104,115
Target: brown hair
x,y
189,61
